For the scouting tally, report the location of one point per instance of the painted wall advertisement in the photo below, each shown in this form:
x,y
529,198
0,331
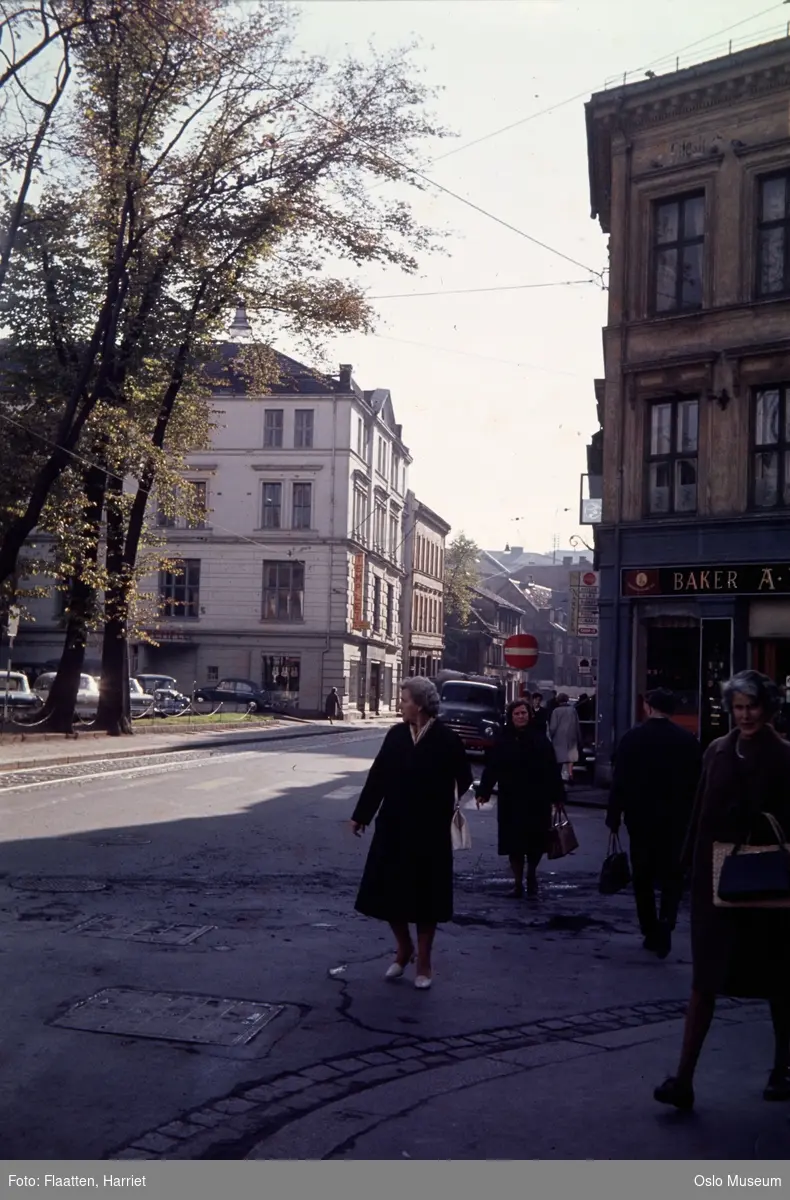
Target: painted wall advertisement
x,y
358,618
584,603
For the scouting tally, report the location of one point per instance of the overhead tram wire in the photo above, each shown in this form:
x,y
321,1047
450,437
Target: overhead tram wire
x,y
407,168
505,287
543,112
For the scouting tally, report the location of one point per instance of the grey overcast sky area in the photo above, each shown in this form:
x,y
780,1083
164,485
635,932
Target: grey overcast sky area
x,y
494,389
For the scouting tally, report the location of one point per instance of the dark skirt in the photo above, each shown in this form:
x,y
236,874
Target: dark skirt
x,y
408,880
522,829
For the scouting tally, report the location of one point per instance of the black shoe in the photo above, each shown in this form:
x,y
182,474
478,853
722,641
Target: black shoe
x,y
663,941
517,893
650,943
676,1094
778,1086
532,888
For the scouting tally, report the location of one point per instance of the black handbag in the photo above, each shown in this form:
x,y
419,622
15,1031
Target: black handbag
x,y
754,875
615,872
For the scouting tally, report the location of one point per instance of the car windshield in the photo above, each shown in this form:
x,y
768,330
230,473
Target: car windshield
x,y
465,693
45,681
134,686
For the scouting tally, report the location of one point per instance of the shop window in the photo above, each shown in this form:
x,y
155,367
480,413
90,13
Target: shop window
x,y
678,253
672,661
673,438
773,243
771,448
281,674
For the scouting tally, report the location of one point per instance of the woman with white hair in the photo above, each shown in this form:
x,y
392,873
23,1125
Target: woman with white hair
x,y
738,951
412,786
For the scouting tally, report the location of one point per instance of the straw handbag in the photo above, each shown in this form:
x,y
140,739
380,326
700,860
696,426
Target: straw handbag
x,y
746,876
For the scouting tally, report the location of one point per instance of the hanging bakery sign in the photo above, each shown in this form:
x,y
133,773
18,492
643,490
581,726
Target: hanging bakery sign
x,y
743,579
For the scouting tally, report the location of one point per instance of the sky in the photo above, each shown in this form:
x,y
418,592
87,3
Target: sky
x,y
494,389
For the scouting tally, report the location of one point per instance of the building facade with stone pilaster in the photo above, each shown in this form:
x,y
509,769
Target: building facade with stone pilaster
x,y
425,536
690,178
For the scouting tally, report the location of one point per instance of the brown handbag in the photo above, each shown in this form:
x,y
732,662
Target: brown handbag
x,y
562,840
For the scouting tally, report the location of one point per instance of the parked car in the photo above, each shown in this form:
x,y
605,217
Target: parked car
x,y
152,683
15,690
87,693
168,702
236,693
140,701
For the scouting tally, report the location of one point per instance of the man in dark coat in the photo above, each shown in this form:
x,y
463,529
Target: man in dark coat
x,y
539,718
657,768
333,708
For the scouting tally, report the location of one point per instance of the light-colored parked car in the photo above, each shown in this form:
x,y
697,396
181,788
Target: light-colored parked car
x,y
139,700
87,694
152,683
16,691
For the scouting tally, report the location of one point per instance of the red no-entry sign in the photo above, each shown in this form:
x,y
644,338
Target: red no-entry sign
x,y
521,651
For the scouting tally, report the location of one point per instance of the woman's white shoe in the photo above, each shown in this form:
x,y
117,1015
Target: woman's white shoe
x,y
394,971
423,982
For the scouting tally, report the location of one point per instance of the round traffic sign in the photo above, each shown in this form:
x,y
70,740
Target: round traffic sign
x,y
521,651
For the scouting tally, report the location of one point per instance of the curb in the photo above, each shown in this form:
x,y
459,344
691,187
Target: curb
x,y
253,736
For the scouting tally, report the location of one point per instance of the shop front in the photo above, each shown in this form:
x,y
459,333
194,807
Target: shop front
x,y
692,627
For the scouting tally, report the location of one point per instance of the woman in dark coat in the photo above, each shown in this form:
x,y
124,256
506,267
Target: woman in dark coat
x,y
737,951
524,766
412,785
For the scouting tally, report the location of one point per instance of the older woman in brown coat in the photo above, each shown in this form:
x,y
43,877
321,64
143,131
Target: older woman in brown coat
x,y
737,951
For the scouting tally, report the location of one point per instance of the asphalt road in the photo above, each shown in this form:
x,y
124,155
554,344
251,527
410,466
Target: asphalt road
x,y
184,976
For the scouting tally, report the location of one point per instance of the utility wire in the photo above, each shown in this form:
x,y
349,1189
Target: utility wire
x,y
405,167
514,287
472,354
588,91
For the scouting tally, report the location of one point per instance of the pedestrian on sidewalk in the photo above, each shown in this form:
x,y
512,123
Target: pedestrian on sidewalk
x,y
539,716
737,952
522,766
419,772
657,768
333,708
566,736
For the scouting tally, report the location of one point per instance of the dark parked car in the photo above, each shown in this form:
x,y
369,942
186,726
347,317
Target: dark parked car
x,y
474,710
235,692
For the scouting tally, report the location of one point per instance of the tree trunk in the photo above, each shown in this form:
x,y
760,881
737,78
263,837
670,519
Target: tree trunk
x,y
114,715
58,714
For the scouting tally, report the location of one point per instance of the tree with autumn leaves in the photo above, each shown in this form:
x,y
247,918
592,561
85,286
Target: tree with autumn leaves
x,y
191,157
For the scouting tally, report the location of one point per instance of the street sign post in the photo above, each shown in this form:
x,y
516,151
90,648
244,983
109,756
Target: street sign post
x,y
521,651
12,629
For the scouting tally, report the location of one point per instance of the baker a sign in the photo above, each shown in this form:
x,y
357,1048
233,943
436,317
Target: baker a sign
x,y
742,579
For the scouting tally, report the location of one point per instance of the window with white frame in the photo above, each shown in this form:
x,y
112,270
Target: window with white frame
x,y
395,474
359,529
377,603
394,537
380,528
272,517
273,428
303,428
382,464
302,514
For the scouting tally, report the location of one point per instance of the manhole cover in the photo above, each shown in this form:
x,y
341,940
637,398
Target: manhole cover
x,y
38,883
132,929
171,1016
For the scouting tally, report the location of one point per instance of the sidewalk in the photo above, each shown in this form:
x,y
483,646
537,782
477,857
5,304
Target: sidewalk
x,y
54,749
